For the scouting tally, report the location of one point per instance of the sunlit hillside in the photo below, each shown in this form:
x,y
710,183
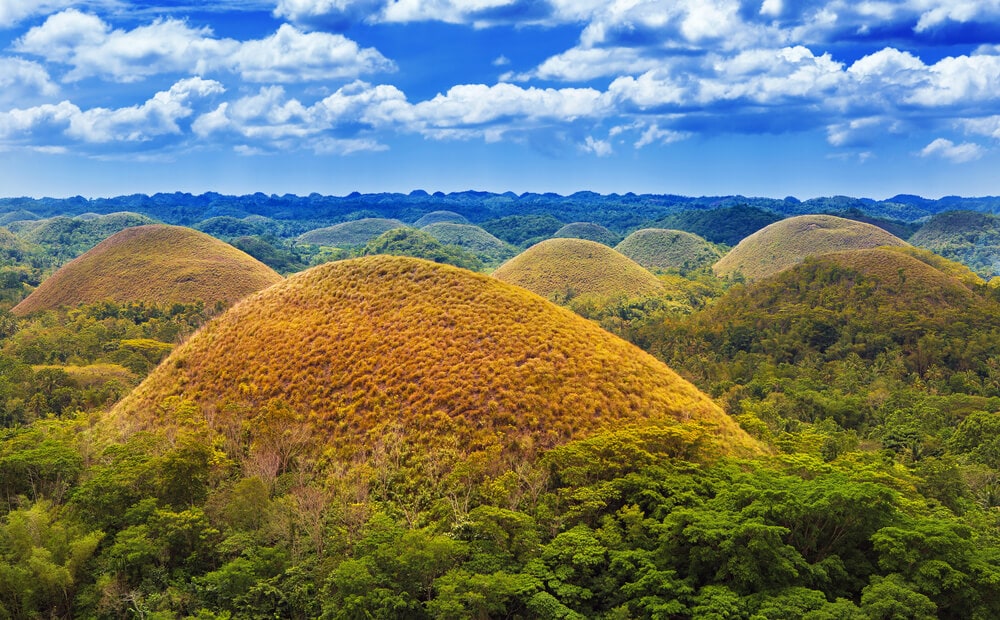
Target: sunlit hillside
x,y
440,217
442,355
472,238
589,231
575,267
788,242
353,233
157,264
660,248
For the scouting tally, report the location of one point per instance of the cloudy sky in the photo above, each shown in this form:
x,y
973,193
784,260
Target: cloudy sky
x,y
700,97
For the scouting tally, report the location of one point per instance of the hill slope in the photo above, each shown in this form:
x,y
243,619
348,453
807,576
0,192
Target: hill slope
x,y
970,238
572,267
786,243
589,231
440,354
472,238
438,217
157,264
727,225
354,233
659,248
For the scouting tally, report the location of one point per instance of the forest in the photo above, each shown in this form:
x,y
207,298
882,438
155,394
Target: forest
x,y
866,384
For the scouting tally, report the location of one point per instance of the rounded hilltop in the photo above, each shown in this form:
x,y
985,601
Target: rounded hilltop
x,y
788,242
471,238
355,347
440,217
577,267
589,231
353,233
662,248
154,263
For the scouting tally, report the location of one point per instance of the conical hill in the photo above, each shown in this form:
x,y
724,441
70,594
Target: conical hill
x,y
660,248
358,346
577,267
589,231
353,233
157,264
787,242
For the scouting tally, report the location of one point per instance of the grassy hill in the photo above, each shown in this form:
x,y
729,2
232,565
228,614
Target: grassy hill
x,y
474,239
65,238
788,242
157,264
728,225
522,230
419,244
968,237
589,231
570,268
351,350
659,248
439,217
347,234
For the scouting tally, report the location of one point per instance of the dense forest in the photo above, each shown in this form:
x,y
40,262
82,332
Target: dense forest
x,y
864,482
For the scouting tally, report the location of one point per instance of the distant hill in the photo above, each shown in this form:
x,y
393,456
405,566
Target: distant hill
x,y
522,230
419,244
968,237
347,234
727,225
345,353
472,238
659,248
438,217
157,264
576,267
788,242
64,237
589,231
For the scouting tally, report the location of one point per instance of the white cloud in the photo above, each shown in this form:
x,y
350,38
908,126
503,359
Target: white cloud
x,y
956,153
156,117
92,49
15,11
21,79
601,148
582,64
654,135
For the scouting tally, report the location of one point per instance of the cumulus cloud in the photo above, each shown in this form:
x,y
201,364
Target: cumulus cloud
x,y
93,49
601,148
15,11
159,116
21,80
956,153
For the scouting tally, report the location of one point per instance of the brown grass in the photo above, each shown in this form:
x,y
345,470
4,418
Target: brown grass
x,y
568,268
788,242
157,264
661,248
435,352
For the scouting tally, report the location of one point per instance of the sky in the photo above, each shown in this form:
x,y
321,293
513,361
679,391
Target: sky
x,y
772,98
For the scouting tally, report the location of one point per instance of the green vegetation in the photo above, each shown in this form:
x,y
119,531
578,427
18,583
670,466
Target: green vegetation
x,y
727,225
283,257
350,234
155,264
419,244
786,243
440,217
970,238
570,268
474,239
658,248
589,231
523,230
65,238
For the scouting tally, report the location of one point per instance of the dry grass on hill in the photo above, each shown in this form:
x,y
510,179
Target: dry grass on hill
x,y
440,217
157,264
787,242
350,350
569,268
588,231
472,238
660,248
348,234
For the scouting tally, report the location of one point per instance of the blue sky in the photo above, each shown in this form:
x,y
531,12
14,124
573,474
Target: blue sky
x,y
699,97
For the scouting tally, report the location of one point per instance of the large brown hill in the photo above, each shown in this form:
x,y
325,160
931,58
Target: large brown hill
x,y
578,267
353,348
787,242
157,264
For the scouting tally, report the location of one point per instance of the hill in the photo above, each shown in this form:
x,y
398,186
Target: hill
x,y
157,264
347,234
968,237
728,225
472,238
786,243
659,248
589,231
439,217
358,348
419,244
576,267
65,238
522,230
